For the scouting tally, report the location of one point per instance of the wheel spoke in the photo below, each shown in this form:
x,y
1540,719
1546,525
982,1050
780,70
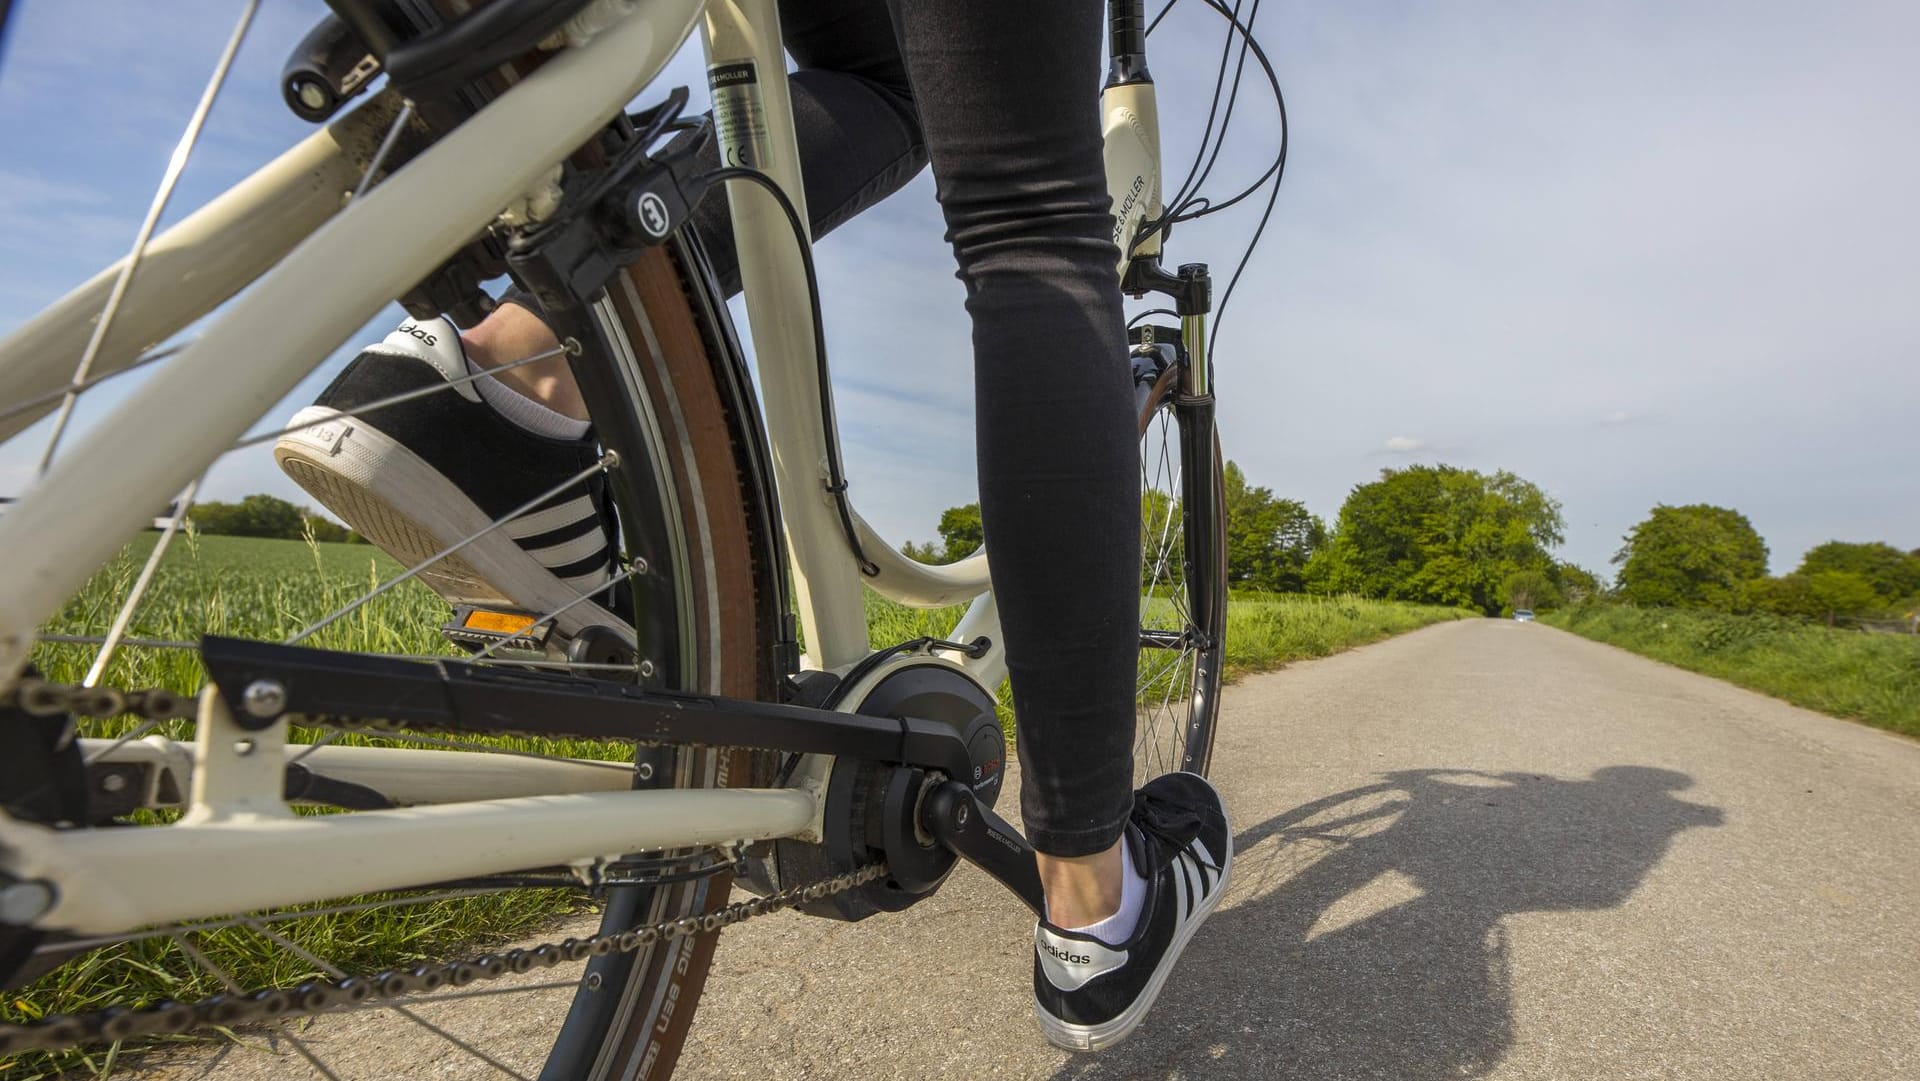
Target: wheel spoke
x,y
400,122
308,956
606,462
1170,634
567,348
139,590
168,180
78,388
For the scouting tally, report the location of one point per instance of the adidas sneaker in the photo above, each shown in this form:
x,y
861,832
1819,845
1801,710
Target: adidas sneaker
x,y
420,475
1088,994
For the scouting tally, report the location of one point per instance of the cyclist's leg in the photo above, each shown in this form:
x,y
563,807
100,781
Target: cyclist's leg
x,y
1006,92
1008,102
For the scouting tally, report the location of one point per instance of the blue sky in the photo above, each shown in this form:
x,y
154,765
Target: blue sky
x,y
1634,252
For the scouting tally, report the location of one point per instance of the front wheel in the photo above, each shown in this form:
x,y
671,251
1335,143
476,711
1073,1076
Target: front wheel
x,y
1183,572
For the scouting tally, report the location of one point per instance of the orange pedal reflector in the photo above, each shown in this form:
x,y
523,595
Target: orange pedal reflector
x,y
497,622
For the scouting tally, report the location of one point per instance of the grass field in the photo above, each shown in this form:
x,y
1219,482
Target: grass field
x,y
1873,678
269,589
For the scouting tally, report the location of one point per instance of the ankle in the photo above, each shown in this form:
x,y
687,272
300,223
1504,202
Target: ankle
x,y
1082,890
512,333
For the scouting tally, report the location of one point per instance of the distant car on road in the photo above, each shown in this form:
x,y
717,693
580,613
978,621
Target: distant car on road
x,y
1524,615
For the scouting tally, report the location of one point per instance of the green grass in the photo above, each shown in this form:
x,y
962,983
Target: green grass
x,y
1873,678
269,589
1265,630
264,589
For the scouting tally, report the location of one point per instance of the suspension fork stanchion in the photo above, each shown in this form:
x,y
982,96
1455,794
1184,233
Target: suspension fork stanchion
x,y
1194,404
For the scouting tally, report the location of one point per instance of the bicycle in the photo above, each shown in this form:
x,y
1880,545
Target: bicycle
x,y
839,778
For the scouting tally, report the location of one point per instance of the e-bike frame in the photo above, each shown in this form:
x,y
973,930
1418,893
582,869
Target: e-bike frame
x,y
238,836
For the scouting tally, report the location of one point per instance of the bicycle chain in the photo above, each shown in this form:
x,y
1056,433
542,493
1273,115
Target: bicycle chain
x,y
44,698
117,1023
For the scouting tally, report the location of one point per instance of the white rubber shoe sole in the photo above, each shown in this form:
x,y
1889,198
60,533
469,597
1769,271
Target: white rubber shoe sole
x,y
367,478
1071,1037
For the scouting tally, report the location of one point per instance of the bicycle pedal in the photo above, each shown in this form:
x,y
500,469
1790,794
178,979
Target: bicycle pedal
x,y
501,630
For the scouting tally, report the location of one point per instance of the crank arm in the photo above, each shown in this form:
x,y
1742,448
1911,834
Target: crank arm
x,y
957,820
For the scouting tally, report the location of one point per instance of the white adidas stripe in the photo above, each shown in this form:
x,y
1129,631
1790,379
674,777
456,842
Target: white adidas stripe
x,y
581,583
573,551
552,518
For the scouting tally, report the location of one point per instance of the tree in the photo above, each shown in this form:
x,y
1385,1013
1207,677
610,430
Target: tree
x,y
961,532
1530,587
323,531
1827,596
1576,583
1269,539
1784,596
261,515
1841,593
1893,575
1696,556
924,553
1438,535
257,515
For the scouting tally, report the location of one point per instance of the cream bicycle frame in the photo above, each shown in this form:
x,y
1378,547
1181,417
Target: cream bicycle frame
x,y
239,847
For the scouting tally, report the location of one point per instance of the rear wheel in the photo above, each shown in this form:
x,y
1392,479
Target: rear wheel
x,y
1183,578
674,407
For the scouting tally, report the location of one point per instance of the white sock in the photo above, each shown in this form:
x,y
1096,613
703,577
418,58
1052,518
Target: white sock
x,y
526,413
1119,927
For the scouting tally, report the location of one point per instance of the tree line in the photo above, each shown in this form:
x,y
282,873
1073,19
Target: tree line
x,y
261,515
1438,534
1428,534
1703,556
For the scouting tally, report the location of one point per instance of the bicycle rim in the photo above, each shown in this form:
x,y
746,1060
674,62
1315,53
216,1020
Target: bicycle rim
x,y
1183,583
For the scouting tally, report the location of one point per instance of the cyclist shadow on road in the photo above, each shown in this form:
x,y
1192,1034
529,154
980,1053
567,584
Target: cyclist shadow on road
x,y
1363,936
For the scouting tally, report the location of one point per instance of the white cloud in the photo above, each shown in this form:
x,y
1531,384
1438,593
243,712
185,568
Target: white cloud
x,y
1618,417
1404,444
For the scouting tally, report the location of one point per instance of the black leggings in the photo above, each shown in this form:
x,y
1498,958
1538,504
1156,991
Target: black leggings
x,y
1002,96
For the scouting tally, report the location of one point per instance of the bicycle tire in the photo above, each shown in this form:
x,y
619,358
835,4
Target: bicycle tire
x,y
632,1014
1184,581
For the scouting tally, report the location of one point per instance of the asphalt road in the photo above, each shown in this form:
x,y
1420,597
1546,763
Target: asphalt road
x,y
1486,849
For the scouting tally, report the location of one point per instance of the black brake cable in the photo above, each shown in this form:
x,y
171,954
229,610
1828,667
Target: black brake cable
x,y
1150,313
1206,136
1278,170
836,475
1162,15
1188,205
1181,213
1233,97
